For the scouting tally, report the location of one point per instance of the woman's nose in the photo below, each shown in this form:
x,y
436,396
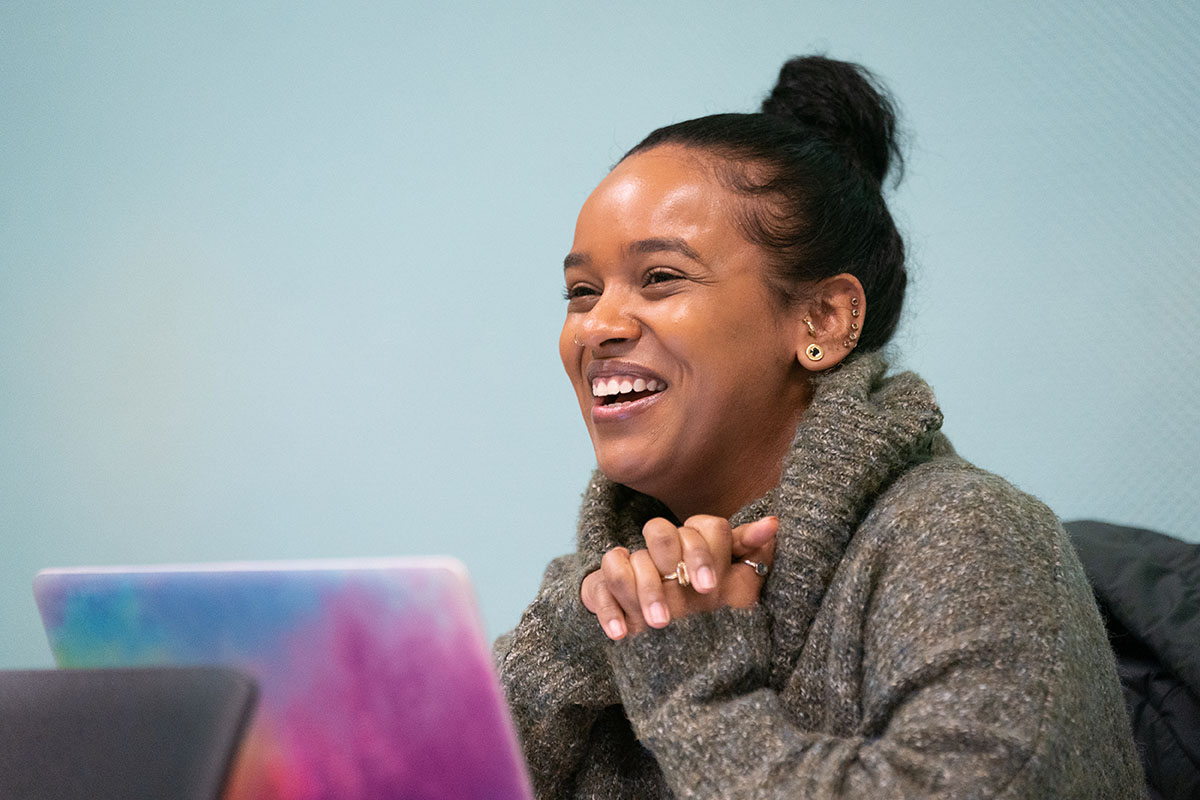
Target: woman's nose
x,y
610,320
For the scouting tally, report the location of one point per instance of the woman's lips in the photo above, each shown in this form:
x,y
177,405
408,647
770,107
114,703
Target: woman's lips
x,y
616,412
621,396
621,389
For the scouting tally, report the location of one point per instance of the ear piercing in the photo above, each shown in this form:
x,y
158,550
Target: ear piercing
x,y
851,341
813,351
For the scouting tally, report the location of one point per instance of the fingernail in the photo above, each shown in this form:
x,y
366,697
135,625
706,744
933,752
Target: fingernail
x,y
615,629
705,579
658,614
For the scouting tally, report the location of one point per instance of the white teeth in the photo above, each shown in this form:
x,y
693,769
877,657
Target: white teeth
x,y
602,387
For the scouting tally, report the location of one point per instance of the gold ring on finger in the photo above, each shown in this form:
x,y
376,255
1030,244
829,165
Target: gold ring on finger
x,y
680,574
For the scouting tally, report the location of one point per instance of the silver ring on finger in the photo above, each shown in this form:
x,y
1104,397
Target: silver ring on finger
x,y
760,568
680,574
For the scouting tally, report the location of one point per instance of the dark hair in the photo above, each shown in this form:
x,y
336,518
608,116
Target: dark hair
x,y
817,157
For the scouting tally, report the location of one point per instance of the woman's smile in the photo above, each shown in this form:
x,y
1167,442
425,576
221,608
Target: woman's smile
x,y
621,389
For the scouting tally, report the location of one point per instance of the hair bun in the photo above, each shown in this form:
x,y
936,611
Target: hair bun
x,y
842,103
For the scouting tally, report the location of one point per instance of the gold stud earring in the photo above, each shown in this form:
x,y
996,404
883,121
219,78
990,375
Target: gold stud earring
x,y
814,352
853,326
811,330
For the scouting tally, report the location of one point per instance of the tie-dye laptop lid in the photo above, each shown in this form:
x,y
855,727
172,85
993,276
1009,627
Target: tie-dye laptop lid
x,y
374,675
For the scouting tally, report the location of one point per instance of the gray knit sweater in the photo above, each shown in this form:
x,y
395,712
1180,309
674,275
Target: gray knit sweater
x,y
926,631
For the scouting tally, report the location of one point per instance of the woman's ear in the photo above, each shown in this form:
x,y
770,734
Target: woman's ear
x,y
833,317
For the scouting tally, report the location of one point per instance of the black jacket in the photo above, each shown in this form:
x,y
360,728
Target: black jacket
x,y
1148,588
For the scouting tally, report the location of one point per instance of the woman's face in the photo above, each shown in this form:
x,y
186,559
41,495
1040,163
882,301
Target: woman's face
x,y
684,366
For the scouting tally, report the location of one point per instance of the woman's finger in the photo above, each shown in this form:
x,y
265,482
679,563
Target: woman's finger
x,y
662,542
621,583
760,560
600,601
749,572
651,599
753,536
698,557
717,536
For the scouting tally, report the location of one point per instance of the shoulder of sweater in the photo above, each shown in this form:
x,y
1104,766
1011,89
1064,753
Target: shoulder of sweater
x,y
947,491
948,508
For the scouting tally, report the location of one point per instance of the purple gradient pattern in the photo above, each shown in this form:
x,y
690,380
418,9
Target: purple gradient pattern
x,y
375,682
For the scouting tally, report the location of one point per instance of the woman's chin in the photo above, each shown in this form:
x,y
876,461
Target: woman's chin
x,y
628,470
650,483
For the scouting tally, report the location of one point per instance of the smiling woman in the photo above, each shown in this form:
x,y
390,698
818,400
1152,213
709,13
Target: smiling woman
x,y
787,584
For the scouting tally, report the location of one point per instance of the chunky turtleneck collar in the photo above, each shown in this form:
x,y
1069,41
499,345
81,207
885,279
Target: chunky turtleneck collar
x,y
860,432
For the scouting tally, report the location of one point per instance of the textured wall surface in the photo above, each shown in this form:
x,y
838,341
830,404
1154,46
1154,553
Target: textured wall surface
x,y
282,282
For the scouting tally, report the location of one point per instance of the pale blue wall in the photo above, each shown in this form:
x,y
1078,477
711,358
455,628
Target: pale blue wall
x,y
284,282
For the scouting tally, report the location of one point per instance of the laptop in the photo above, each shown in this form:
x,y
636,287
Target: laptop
x,y
115,734
374,675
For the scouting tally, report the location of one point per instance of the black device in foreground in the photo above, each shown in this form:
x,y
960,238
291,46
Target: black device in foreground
x,y
120,733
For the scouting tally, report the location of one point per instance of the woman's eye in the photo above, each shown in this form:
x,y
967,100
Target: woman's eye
x,y
661,276
578,290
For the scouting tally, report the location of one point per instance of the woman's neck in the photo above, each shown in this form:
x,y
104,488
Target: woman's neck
x,y
737,483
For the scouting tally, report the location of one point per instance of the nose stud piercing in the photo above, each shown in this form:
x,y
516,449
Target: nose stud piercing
x,y
578,343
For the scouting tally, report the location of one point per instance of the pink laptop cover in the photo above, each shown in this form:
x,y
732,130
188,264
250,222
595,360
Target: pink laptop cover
x,y
374,676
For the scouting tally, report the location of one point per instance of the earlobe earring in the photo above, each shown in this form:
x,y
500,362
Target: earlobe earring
x,y
814,352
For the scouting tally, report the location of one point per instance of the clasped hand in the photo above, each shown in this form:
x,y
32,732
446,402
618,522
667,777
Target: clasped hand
x,y
629,592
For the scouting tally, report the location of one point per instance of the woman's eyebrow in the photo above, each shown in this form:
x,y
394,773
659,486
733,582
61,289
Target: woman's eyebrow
x,y
643,247
660,245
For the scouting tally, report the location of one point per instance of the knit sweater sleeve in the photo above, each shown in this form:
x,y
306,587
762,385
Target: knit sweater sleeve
x,y
555,676
971,668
